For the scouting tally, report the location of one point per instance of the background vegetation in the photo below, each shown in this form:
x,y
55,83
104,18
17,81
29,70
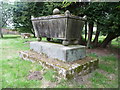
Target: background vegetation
x,y
105,16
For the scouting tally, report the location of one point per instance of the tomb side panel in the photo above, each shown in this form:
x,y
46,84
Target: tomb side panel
x,y
74,28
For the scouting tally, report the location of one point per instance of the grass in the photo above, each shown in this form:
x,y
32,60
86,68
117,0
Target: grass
x,y
13,45
99,80
14,71
109,58
116,42
107,68
92,55
49,75
69,84
109,63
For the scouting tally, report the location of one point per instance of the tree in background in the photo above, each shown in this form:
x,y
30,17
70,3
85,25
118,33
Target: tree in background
x,y
104,15
5,15
22,16
23,11
111,24
1,35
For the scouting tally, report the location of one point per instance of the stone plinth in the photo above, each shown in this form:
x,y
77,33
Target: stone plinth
x,y
65,70
58,51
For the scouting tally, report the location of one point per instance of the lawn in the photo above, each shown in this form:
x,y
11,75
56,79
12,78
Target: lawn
x,y
15,71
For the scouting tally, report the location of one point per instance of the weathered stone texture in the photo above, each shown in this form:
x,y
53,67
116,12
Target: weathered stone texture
x,y
60,52
65,27
65,69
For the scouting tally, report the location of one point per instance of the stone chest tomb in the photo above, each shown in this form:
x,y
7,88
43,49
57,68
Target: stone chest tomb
x,y
66,27
67,58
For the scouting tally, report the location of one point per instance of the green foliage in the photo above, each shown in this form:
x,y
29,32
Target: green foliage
x,y
15,76
22,17
49,75
111,22
109,58
107,68
111,62
15,70
62,86
13,44
5,14
24,10
115,42
92,55
99,79
105,14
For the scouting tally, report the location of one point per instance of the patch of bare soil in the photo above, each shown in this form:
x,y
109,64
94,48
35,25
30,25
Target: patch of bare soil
x,y
35,75
48,84
108,75
83,80
105,51
38,75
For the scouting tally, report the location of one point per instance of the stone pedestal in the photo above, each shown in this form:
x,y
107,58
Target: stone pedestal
x,y
69,61
65,70
58,51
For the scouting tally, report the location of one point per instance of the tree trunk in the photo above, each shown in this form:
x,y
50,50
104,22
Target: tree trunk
x,y
81,41
110,43
95,41
108,39
90,32
1,35
85,30
33,32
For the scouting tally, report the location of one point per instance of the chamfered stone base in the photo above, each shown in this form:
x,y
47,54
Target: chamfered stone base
x,y
58,51
66,70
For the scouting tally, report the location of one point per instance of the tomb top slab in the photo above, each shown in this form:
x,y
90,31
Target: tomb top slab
x,y
57,17
58,51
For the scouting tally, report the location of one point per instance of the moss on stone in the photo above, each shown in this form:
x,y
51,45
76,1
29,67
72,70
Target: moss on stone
x,y
69,76
81,66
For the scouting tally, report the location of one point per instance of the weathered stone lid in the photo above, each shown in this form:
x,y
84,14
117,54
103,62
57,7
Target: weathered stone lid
x,y
56,17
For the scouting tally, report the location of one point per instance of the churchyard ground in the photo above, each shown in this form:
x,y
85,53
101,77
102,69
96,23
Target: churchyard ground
x,y
15,72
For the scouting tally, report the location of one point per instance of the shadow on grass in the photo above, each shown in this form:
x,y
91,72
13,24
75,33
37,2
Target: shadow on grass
x,y
11,36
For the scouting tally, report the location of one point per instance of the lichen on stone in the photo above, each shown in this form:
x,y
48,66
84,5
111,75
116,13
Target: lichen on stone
x,y
65,70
